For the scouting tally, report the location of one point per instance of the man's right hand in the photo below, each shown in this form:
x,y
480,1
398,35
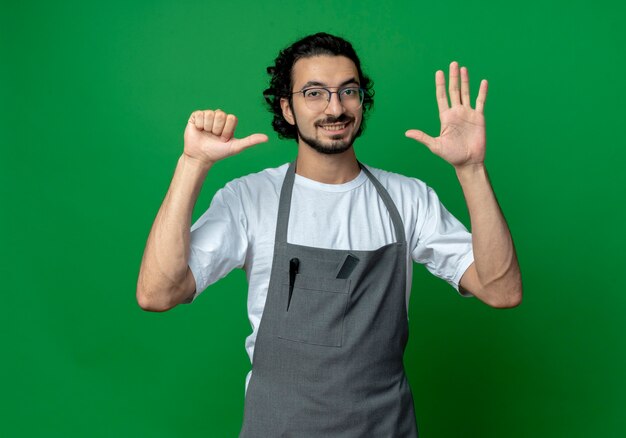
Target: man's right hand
x,y
209,137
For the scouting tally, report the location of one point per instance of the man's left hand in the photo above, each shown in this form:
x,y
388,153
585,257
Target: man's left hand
x,y
462,139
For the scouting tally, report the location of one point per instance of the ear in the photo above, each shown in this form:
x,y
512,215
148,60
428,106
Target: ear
x,y
287,113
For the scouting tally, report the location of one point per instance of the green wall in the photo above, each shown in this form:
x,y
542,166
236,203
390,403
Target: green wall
x,y
94,98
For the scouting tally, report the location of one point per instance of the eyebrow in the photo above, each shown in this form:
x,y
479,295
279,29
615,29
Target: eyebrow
x,y
321,84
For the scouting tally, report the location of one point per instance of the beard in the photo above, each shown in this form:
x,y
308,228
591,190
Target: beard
x,y
338,144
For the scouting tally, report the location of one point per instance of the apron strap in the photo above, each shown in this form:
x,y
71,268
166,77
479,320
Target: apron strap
x,y
284,205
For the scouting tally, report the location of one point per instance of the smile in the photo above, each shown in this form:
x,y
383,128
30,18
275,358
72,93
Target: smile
x,y
334,127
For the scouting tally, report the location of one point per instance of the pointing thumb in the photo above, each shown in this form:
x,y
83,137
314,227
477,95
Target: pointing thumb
x,y
251,140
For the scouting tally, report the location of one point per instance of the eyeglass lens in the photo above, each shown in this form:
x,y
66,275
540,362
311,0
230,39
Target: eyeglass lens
x,y
319,98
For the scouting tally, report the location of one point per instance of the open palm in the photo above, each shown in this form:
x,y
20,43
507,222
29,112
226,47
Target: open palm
x,y
462,138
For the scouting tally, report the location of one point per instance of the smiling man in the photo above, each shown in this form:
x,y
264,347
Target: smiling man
x,y
343,115
328,245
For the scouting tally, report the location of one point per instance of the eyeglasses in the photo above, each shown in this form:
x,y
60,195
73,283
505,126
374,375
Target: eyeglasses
x,y
317,99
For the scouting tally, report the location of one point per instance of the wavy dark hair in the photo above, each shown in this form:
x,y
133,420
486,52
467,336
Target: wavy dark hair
x,y
281,78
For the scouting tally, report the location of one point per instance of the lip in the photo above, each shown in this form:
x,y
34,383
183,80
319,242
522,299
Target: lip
x,y
336,131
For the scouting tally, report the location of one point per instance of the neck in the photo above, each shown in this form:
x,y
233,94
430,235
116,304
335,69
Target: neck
x,y
327,169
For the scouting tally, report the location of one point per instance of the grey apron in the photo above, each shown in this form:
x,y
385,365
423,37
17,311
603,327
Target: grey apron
x,y
328,358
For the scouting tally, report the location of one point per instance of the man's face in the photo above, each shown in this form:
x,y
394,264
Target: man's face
x,y
331,130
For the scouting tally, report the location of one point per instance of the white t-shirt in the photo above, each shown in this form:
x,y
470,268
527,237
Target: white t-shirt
x,y
238,229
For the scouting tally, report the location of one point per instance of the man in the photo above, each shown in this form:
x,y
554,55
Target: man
x,y
328,244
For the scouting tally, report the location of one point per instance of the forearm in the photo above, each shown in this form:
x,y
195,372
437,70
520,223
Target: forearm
x,y
495,260
162,277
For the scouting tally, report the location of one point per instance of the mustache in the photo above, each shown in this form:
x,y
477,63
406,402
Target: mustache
x,y
343,118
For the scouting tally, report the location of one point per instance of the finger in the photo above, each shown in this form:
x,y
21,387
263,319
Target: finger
x,y
453,87
229,127
198,118
440,91
208,120
246,142
218,122
482,96
421,136
465,91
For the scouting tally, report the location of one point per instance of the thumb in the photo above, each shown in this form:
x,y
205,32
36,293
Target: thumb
x,y
421,136
243,143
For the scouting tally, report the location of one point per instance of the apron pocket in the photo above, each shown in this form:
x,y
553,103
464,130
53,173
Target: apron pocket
x,y
316,311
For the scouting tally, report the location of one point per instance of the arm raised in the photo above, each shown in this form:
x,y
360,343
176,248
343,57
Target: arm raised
x,y
494,277
165,279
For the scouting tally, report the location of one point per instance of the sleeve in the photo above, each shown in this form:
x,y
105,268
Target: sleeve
x,y
443,244
219,240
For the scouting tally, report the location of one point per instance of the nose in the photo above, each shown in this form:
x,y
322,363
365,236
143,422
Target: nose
x,y
334,107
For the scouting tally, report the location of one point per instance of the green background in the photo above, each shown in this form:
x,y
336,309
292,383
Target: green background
x,y
94,100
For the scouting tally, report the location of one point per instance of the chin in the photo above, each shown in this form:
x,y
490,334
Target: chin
x,y
333,148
